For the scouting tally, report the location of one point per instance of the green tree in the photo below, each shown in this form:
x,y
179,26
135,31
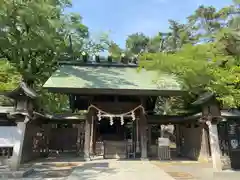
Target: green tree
x,y
31,37
156,43
97,44
204,22
213,65
137,43
9,79
34,36
115,51
199,69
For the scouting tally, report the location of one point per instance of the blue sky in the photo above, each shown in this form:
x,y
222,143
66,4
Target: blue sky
x,y
123,17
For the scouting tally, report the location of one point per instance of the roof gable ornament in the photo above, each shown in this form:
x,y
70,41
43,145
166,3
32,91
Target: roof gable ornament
x,y
22,91
24,97
204,98
96,60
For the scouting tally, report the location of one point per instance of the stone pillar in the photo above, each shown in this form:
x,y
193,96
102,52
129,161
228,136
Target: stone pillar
x,y
18,145
204,154
149,138
87,136
143,135
214,144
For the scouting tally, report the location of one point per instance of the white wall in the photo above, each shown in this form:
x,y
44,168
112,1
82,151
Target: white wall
x,y
8,135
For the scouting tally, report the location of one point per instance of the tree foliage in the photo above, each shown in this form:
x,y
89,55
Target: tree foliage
x,y
115,51
34,36
9,79
203,53
137,43
30,36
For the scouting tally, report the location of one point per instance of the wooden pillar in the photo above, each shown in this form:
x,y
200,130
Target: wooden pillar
x,y
178,139
87,136
47,132
79,139
149,135
92,134
149,138
137,136
143,135
18,145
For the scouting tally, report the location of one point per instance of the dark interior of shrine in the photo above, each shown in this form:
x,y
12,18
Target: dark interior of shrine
x,y
76,99
116,131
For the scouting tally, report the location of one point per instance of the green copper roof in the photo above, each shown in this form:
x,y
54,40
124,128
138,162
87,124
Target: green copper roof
x,y
104,77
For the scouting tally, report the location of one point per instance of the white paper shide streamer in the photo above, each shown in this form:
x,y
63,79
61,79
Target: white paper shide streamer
x,y
111,116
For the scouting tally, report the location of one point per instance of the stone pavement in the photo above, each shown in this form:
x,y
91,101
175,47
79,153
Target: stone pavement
x,y
118,170
227,175
134,170
191,170
194,171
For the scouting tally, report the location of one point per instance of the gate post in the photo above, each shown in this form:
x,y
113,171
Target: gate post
x,y
18,145
87,136
178,139
143,135
214,143
149,137
204,153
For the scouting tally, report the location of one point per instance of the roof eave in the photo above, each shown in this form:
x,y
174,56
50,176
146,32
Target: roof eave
x,y
28,92
99,91
203,99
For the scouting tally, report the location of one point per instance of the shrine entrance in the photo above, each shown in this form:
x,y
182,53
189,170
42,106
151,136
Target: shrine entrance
x,y
119,101
114,132
115,135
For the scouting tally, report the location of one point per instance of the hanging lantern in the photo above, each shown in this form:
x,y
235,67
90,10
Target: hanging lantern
x,y
111,120
133,116
122,120
84,57
99,115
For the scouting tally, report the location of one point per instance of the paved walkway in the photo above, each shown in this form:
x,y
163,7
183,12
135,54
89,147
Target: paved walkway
x,y
118,170
193,170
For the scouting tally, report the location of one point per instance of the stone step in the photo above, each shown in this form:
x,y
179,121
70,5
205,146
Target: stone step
x,y
4,167
7,173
